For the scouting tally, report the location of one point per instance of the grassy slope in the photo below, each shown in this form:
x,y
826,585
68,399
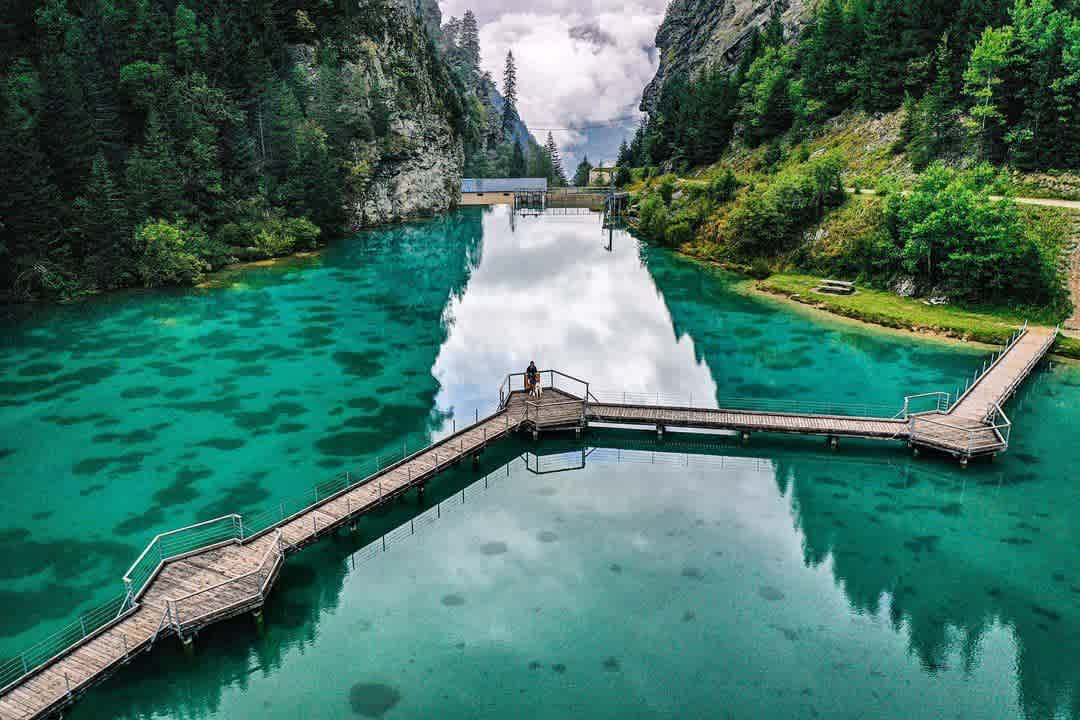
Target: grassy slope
x,y
981,324
867,145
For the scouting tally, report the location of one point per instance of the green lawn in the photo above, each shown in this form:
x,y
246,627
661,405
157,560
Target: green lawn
x,y
981,324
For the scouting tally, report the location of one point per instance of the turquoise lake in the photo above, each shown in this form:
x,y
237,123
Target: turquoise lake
x,y
623,577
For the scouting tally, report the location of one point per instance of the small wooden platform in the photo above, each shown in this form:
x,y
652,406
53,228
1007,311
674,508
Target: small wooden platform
x,y
976,425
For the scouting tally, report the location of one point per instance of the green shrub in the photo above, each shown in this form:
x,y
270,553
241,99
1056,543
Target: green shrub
x,y
770,219
954,237
169,254
679,233
722,188
666,188
759,269
273,236
653,217
622,175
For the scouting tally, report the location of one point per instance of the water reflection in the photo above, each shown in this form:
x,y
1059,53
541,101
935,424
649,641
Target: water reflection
x,y
743,546
549,291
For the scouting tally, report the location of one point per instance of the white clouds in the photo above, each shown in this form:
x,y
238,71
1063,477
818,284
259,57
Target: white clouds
x,y
578,61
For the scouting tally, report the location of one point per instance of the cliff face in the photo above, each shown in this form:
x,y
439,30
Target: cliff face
x,y
697,34
414,168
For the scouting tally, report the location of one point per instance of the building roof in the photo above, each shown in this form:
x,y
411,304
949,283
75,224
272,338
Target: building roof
x,y
472,185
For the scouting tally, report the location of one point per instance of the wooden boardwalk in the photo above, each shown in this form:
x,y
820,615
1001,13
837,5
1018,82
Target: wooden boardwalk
x,y
182,591
191,591
976,424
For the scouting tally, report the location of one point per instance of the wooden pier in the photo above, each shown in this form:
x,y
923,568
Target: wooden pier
x,y
193,577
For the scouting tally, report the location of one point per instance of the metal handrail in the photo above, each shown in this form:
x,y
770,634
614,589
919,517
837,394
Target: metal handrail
x,y
763,405
273,555
1013,340
506,387
942,405
1002,429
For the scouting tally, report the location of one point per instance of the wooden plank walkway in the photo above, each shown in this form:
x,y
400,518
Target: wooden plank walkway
x,y
189,591
207,586
976,424
748,421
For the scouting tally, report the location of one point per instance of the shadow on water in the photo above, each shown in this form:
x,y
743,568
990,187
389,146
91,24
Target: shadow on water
x,y
920,544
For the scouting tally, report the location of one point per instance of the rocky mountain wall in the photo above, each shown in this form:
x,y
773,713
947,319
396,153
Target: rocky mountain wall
x,y
697,34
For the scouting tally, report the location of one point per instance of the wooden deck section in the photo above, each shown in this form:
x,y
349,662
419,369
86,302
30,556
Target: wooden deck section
x,y
748,421
186,592
976,424
203,587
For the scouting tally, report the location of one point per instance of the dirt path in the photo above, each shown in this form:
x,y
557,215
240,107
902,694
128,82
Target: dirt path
x,y
1072,325
1045,202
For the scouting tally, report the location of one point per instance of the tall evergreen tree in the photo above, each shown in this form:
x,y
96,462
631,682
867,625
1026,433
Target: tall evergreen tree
x,y
936,123
882,65
982,79
99,226
510,113
470,40
518,167
556,174
581,174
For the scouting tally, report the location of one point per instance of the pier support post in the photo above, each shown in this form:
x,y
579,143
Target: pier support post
x,y
963,461
577,432
833,442
744,436
659,431
420,491
535,434
915,451
476,460
188,642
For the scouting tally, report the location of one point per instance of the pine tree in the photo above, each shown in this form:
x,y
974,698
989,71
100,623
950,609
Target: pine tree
x,y
581,175
29,201
556,175
451,33
99,226
826,57
470,41
774,28
935,128
982,78
67,135
510,113
152,176
518,168
882,64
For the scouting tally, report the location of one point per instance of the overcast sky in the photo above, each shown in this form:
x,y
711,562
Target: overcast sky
x,y
578,61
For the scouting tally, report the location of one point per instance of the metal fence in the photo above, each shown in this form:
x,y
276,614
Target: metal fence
x,y
47,648
766,405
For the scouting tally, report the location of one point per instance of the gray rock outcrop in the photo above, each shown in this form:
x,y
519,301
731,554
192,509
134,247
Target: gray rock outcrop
x,y
697,34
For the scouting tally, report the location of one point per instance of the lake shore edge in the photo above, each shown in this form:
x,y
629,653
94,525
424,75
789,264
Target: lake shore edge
x,y
904,315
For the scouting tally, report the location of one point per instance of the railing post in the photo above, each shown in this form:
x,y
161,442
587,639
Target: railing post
x,y
240,520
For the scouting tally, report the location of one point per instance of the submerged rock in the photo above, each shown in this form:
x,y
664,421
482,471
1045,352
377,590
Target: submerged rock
x,y
373,700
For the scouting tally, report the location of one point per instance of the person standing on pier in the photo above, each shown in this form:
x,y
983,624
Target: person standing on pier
x,y
532,375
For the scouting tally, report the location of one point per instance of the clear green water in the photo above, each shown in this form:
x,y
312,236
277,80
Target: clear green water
x,y
686,579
